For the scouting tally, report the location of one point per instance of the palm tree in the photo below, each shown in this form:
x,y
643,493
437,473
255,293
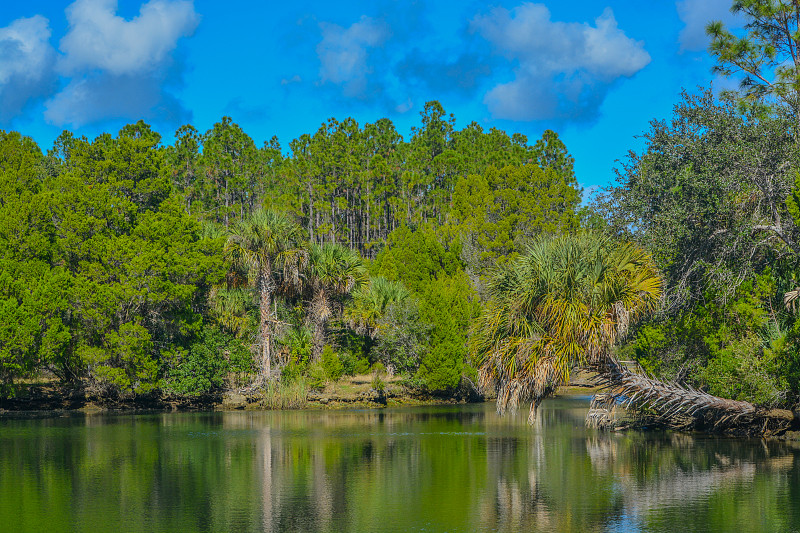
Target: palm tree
x,y
562,303
370,303
229,305
264,245
333,273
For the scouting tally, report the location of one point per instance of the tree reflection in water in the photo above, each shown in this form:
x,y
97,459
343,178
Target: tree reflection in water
x,y
459,468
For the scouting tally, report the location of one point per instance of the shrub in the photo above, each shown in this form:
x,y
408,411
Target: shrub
x,y
377,383
292,372
207,363
317,377
378,371
353,365
744,371
298,341
331,363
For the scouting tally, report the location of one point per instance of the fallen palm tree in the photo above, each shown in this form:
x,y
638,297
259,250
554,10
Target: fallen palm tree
x,y
563,304
648,401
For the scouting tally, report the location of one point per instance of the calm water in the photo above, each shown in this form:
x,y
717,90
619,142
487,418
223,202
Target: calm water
x,y
458,469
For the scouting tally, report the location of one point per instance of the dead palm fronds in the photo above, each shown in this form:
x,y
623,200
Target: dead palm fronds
x,y
333,273
262,246
561,304
677,406
790,299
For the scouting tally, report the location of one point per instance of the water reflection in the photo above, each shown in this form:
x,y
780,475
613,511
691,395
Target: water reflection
x,y
457,468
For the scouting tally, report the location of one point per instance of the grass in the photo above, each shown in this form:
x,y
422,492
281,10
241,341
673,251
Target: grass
x,y
281,395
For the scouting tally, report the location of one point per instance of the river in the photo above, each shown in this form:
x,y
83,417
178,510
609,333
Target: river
x,y
434,469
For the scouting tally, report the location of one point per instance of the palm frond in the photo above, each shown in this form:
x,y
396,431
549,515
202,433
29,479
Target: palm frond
x,y
563,302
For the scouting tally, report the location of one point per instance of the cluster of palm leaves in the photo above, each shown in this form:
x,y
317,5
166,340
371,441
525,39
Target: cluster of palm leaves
x,y
371,302
267,259
334,272
562,303
263,249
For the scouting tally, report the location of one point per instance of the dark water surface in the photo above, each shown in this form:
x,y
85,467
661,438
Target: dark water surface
x,y
457,469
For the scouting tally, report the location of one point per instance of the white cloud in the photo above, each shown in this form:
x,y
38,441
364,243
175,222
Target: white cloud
x,y
26,64
120,69
696,14
343,53
99,39
563,70
98,98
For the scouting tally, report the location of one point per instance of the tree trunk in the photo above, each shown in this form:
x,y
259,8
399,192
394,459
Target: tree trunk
x,y
654,402
317,339
265,326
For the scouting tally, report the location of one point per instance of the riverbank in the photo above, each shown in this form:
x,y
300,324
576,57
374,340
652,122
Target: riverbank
x,y
347,393
351,392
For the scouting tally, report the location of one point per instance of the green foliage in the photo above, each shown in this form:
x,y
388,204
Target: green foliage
x,y
331,363
765,56
735,348
353,352
286,393
263,254
787,360
744,370
208,362
426,335
378,372
402,337
647,346
561,304
333,273
124,363
132,265
317,376
714,199
371,302
416,257
292,371
298,342
498,211
708,196
377,383
32,329
448,305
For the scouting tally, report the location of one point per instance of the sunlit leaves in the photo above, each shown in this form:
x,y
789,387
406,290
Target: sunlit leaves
x,y
562,303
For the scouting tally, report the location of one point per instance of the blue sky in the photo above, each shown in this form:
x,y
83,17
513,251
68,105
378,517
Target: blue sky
x,y
595,72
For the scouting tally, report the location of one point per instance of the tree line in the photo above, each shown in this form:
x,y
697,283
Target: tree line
x,y
131,267
455,256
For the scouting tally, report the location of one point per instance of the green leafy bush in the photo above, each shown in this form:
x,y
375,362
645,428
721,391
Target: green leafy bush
x,y
331,363
317,377
378,371
299,342
353,364
208,362
744,371
448,305
125,363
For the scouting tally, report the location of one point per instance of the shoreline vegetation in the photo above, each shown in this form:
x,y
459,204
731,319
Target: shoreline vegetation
x,y
455,260
351,392
133,274
354,392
